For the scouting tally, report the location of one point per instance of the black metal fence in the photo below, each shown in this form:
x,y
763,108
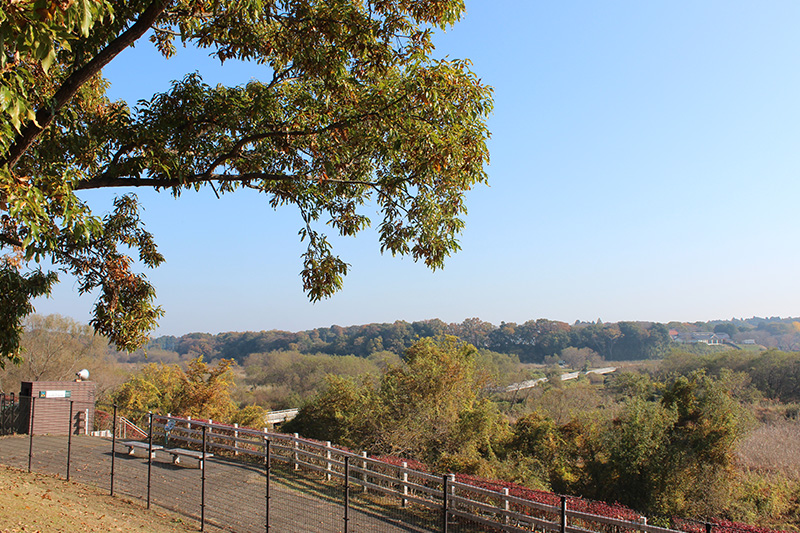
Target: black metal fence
x,y
9,414
224,477
239,479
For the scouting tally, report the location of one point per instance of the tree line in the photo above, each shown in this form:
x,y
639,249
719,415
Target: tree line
x,y
532,341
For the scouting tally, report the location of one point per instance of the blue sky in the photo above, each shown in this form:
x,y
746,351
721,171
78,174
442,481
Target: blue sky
x,y
645,158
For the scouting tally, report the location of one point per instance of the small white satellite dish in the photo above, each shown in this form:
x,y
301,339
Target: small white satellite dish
x,y
83,375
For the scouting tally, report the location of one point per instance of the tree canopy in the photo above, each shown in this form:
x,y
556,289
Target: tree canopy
x,y
430,408
199,391
356,115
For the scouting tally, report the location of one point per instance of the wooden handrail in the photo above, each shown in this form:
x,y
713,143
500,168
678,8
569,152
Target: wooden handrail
x,y
484,505
126,425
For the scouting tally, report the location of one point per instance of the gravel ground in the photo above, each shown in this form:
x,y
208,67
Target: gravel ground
x,y
235,493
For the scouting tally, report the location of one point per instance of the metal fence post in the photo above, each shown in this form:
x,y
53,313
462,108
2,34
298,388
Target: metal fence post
x,y
203,483
445,492
113,447
452,484
9,421
149,454
69,436
268,466
30,434
563,514
346,492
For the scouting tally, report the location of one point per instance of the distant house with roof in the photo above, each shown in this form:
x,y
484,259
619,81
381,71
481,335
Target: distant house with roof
x,y
699,337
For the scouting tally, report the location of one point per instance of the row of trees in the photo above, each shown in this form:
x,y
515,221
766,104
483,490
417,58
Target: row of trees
x,y
774,373
531,341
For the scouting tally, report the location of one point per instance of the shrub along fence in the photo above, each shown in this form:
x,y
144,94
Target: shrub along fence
x,y
242,479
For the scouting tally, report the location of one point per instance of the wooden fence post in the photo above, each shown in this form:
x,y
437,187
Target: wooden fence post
x,y
328,460
405,483
295,445
364,468
506,505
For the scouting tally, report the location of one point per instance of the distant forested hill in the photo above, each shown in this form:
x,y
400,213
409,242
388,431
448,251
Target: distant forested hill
x,y
532,341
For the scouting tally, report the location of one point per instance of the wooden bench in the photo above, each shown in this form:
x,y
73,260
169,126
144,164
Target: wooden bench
x,y
134,444
177,453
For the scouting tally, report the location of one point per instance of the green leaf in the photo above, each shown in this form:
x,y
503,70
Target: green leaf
x,y
86,17
48,60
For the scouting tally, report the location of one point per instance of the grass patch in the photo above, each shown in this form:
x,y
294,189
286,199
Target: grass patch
x,y
38,502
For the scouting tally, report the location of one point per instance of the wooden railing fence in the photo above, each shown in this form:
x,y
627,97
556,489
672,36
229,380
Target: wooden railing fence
x,y
497,510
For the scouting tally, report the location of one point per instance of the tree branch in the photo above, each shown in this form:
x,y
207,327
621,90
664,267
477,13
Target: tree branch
x,y
108,182
68,89
10,241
